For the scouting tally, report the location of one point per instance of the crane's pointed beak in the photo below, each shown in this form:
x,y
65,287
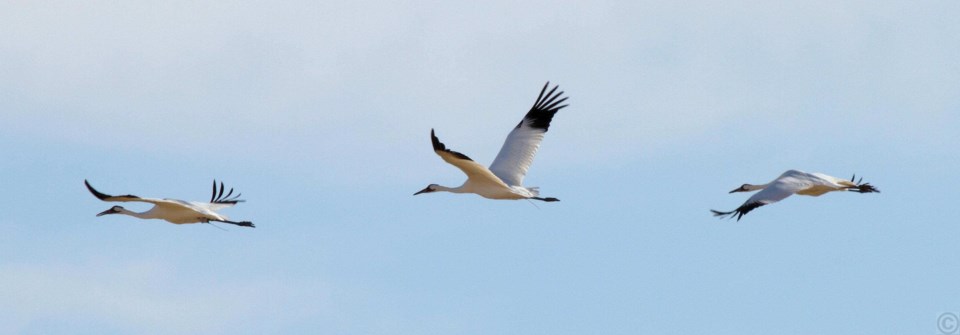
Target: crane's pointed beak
x,y
424,190
109,211
738,189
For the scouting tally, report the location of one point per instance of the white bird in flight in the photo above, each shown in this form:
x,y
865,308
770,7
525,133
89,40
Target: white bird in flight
x,y
504,178
790,182
177,211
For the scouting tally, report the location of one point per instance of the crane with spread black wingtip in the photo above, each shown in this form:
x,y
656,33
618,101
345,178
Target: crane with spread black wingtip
x,y
177,211
504,178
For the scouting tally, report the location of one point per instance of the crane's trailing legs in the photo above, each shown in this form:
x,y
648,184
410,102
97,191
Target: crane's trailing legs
x,y
861,187
241,223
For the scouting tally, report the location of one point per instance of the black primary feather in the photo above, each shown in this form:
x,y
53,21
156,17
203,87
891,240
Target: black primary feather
x,y
544,108
103,196
740,211
437,146
219,198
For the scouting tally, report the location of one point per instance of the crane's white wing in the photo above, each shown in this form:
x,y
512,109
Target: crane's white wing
x,y
475,172
133,198
521,145
777,190
217,201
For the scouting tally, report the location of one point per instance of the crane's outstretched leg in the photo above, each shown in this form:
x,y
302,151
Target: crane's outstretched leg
x,y
861,186
865,188
545,199
241,223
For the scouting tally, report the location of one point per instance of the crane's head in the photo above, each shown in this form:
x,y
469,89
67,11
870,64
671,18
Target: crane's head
x,y
112,210
749,188
430,188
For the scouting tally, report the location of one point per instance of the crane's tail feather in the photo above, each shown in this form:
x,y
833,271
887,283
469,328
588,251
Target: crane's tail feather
x,y
534,191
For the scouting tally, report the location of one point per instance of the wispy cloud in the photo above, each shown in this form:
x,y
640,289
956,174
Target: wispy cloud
x,y
151,297
177,74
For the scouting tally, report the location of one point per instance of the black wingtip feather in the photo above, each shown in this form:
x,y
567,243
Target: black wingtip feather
x,y
96,193
103,196
438,146
740,211
542,91
220,198
719,213
544,108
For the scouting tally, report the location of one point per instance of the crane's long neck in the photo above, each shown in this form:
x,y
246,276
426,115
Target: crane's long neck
x,y
145,215
751,188
460,189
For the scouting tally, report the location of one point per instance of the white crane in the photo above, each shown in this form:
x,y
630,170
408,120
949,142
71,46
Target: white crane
x,y
177,211
504,178
793,181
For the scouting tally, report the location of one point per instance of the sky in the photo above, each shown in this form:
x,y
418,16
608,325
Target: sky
x,y
320,113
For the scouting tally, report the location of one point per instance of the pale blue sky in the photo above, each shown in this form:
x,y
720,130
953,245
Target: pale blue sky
x,y
320,112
